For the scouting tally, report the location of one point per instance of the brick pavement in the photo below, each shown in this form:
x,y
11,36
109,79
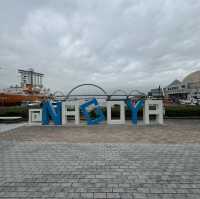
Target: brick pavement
x,y
61,170
172,132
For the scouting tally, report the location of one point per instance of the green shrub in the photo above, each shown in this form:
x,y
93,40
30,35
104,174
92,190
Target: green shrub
x,y
182,111
14,111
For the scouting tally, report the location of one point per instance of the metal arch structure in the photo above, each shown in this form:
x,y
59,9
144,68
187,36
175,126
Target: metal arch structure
x,y
114,93
58,93
119,90
81,85
137,91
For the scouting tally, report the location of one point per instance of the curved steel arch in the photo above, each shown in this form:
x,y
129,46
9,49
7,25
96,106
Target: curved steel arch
x,y
58,93
81,85
140,93
119,90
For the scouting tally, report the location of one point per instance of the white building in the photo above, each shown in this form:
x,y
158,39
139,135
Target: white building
x,y
30,77
189,87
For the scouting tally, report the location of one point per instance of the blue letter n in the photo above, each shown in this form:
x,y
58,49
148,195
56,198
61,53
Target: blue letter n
x,y
51,111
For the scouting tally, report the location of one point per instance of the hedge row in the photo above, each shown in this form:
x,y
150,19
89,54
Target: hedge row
x,y
14,111
182,111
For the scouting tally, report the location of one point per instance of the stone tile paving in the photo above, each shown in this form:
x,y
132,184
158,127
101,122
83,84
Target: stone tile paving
x,y
60,170
172,132
9,126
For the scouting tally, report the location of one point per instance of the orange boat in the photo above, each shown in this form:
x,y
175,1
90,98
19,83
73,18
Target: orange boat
x,y
30,90
17,96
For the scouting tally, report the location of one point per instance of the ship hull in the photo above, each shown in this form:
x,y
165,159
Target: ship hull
x,y
15,99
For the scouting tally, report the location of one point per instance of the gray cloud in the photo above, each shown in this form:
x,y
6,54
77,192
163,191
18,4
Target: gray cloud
x,y
116,44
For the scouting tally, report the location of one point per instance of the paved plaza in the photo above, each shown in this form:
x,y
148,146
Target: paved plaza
x,y
31,167
172,132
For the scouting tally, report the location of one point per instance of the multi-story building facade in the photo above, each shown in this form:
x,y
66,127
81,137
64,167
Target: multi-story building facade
x,y
189,87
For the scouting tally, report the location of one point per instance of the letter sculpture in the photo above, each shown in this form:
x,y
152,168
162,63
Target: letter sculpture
x,y
134,109
53,112
100,116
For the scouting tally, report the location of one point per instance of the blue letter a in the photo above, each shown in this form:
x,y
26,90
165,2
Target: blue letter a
x,y
134,109
52,111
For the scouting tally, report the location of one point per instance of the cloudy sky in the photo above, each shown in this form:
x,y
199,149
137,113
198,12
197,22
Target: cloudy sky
x,y
129,44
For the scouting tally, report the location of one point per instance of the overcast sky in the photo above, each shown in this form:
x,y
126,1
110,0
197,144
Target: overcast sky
x,y
129,44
